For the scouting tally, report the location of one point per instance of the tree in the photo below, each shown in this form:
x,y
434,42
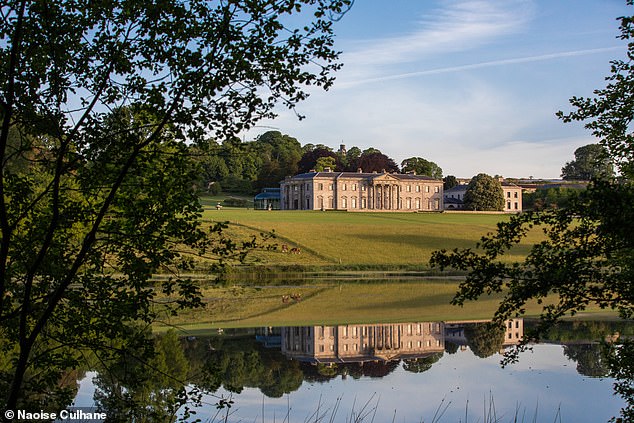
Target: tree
x,y
372,160
591,162
484,193
484,339
421,167
449,182
101,99
588,255
309,159
325,162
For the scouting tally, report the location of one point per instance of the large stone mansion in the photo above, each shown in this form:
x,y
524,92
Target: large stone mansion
x,y
359,191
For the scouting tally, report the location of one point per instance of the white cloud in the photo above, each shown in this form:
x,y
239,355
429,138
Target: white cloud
x,y
458,26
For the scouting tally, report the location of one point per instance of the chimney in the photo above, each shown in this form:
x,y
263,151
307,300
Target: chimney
x,y
327,169
359,170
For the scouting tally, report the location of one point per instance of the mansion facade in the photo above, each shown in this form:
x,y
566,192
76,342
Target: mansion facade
x,y
359,191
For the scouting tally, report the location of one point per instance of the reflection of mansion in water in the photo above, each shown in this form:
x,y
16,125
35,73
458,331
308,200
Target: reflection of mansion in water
x,y
379,342
354,343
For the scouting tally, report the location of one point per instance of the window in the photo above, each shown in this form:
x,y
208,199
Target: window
x,y
294,187
345,347
436,189
353,202
344,202
320,186
508,205
426,188
516,206
364,203
515,194
363,187
409,203
409,188
330,187
354,187
321,348
418,203
508,194
417,188
345,187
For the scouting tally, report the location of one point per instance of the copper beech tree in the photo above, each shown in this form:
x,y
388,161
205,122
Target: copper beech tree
x,y
98,102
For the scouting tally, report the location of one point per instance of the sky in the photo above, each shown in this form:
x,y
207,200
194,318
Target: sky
x,y
472,85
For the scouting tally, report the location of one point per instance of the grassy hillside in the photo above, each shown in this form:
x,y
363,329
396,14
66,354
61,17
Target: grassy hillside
x,y
348,238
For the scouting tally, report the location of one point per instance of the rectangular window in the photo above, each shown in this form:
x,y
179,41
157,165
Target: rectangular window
x,y
307,187
363,187
320,186
417,188
409,188
354,187
508,194
330,187
508,205
426,188
515,194
516,206
345,187
436,189
353,200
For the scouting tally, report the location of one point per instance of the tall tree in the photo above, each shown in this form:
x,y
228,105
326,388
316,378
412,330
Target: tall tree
x,y
372,160
105,96
449,182
484,193
591,162
421,167
588,256
309,159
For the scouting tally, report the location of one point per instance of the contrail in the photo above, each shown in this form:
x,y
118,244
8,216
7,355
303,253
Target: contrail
x,y
502,62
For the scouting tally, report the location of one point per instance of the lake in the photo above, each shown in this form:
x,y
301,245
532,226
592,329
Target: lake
x,y
403,372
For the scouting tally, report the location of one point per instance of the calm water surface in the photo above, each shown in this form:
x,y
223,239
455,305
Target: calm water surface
x,y
405,372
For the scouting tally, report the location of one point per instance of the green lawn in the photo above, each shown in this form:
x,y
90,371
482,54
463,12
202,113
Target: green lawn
x,y
348,238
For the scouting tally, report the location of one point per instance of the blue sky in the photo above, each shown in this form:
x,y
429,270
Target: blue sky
x,y
472,85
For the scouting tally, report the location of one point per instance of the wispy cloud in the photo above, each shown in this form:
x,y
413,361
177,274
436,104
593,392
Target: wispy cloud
x,y
459,25
492,63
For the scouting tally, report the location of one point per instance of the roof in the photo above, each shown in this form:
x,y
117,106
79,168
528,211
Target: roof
x,y
457,188
364,175
267,195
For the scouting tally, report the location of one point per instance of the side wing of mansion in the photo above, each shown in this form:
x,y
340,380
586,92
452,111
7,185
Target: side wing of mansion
x,y
358,191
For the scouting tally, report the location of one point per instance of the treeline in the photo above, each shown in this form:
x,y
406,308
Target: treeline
x,y
247,167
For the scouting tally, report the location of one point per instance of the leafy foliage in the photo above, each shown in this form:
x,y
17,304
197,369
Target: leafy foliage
x,y
484,193
97,101
549,198
449,182
591,162
421,167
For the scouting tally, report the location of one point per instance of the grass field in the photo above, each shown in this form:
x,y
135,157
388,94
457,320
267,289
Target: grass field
x,y
349,238
351,241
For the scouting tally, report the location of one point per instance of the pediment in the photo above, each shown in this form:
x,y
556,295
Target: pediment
x,y
385,177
